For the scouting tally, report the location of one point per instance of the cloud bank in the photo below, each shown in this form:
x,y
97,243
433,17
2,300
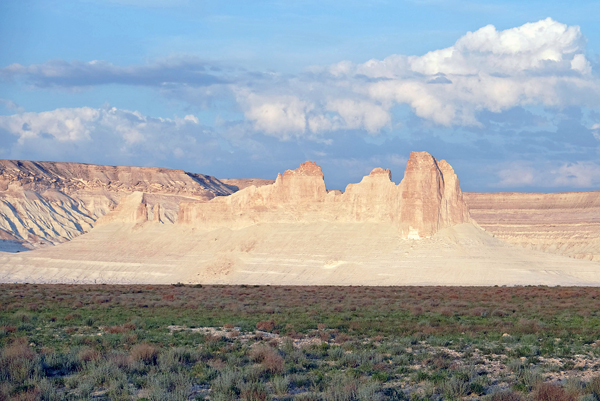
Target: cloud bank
x,y
472,99
541,63
105,135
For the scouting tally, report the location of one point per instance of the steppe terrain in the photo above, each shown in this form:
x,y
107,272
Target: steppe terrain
x,y
260,343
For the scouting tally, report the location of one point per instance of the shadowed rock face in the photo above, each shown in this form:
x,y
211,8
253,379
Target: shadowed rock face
x,y
427,200
43,203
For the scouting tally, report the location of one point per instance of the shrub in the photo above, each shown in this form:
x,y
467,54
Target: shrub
x,y
269,358
281,384
227,385
342,389
88,355
551,392
72,316
265,325
254,391
455,388
594,387
144,352
115,329
18,362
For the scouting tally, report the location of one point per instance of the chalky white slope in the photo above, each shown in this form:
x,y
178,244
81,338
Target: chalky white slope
x,y
296,232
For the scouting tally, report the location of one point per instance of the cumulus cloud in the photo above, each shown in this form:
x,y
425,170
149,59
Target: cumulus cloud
x,y
360,114
287,116
579,174
584,174
540,63
283,116
106,135
516,176
61,124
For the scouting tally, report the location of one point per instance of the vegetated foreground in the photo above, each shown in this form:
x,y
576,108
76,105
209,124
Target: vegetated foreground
x,y
298,343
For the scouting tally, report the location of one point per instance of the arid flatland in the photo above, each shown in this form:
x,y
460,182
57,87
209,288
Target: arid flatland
x,y
298,343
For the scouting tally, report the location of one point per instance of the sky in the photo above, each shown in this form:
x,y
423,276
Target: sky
x,y
508,92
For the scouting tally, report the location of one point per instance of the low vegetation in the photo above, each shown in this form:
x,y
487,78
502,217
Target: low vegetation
x,y
117,342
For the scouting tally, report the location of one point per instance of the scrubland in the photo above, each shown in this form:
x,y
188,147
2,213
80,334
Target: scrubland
x,y
117,342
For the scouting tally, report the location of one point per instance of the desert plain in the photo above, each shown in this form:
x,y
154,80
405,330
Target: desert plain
x,y
127,283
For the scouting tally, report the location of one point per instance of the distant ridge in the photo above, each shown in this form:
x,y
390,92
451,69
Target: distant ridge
x,y
295,232
45,203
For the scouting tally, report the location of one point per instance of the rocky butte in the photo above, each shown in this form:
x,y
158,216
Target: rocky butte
x,y
427,200
294,231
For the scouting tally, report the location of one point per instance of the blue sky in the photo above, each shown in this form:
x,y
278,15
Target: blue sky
x,y
507,91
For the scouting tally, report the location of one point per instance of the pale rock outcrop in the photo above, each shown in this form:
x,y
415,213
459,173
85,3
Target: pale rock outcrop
x,y
431,197
427,200
295,232
562,223
132,209
45,203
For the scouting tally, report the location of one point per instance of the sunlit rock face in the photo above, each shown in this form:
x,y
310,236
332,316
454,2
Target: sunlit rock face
x,y
46,203
428,199
563,223
431,197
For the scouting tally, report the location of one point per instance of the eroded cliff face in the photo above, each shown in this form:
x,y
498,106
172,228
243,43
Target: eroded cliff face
x,y
431,197
427,200
43,203
563,223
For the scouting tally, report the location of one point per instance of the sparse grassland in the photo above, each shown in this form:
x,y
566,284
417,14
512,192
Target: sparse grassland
x,y
298,343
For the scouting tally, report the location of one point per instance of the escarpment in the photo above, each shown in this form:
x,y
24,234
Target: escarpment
x,y
296,232
45,203
426,200
562,223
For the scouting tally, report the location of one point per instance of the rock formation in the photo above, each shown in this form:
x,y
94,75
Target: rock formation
x,y
294,231
431,197
563,223
43,203
427,200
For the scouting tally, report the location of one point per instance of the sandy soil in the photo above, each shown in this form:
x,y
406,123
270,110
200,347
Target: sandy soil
x,y
292,254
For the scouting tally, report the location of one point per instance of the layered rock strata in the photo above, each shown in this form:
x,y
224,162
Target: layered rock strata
x,y
563,223
43,203
296,232
426,200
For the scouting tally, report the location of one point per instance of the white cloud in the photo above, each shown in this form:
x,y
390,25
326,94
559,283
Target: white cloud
x,y
282,116
541,63
360,114
487,51
576,175
62,124
516,176
538,63
192,118
579,175
105,134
